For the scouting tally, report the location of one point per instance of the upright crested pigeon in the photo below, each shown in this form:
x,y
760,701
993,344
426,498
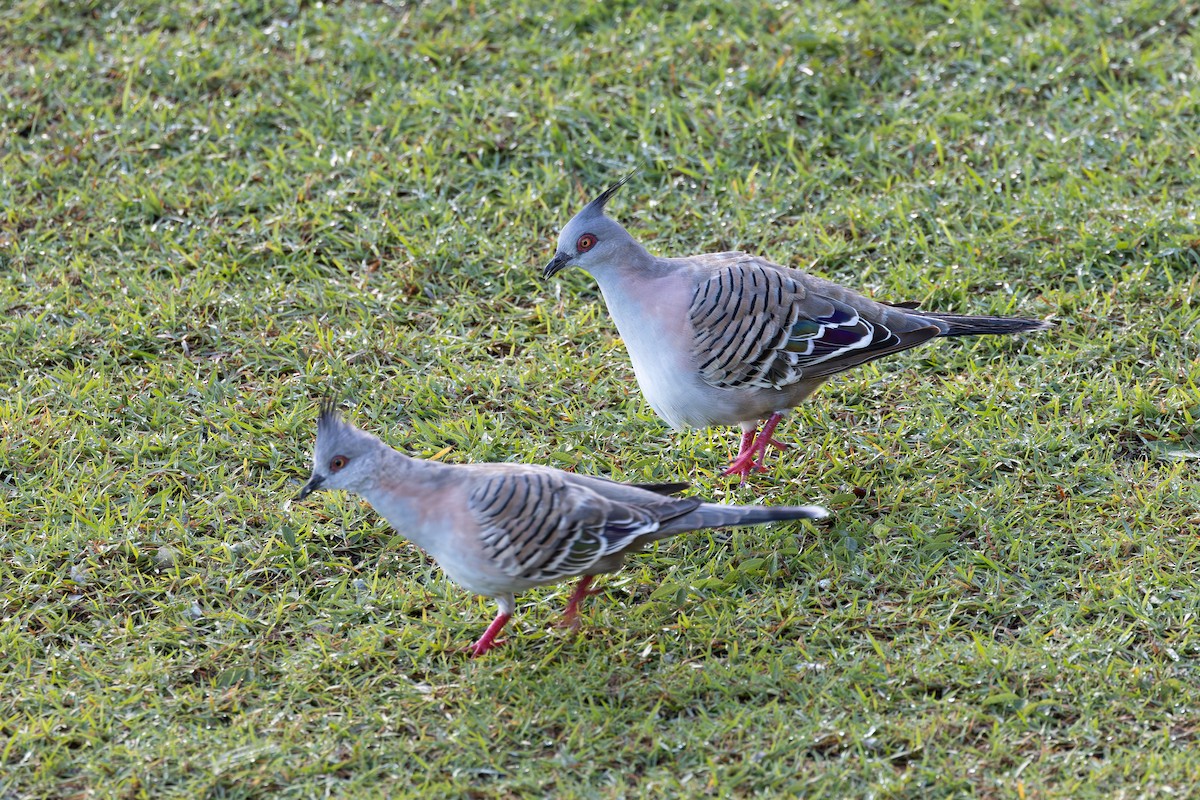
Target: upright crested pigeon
x,y
731,338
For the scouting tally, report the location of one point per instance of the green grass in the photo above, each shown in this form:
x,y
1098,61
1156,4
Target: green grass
x,y
214,213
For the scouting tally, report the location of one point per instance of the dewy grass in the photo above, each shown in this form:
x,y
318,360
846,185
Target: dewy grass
x,y
212,214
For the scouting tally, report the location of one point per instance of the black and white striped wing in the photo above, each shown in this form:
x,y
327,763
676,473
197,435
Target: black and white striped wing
x,y
759,326
539,527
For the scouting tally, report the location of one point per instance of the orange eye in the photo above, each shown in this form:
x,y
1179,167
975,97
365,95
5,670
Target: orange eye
x,y
338,462
585,243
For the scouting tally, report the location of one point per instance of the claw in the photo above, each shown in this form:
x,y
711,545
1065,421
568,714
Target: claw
x,y
743,465
570,617
753,449
488,641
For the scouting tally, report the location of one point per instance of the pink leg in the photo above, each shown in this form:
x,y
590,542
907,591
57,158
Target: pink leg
x,y
743,462
488,640
766,436
747,442
571,614
753,449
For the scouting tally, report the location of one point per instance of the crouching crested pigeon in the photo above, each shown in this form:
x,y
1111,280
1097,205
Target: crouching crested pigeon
x,y
498,529
731,338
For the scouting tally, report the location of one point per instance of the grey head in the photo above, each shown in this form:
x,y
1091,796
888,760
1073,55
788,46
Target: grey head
x,y
591,240
344,457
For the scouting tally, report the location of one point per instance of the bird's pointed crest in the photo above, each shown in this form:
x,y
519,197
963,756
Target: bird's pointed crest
x,y
329,421
606,195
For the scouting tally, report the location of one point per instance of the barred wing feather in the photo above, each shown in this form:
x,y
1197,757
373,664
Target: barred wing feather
x,y
541,527
761,326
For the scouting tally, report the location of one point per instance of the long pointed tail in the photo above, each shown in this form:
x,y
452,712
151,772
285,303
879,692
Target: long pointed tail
x,y
664,488
715,515
970,325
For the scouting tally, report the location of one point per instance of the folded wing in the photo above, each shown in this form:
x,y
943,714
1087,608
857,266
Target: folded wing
x,y
540,526
758,325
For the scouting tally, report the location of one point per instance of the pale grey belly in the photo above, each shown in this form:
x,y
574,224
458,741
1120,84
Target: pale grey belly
x,y
687,401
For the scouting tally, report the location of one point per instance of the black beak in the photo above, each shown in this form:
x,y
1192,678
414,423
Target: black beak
x,y
560,261
313,484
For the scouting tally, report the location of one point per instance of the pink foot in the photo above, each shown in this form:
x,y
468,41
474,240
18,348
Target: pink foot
x,y
744,464
570,617
488,640
753,449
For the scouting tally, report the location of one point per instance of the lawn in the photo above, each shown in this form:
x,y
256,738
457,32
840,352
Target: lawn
x,y
213,214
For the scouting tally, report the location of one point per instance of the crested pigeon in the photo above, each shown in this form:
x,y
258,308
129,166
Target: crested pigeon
x,y
731,338
498,529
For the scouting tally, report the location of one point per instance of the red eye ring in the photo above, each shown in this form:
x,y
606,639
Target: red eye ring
x,y
337,463
585,242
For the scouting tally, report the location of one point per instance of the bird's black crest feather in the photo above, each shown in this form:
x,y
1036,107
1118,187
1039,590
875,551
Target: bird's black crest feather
x,y
607,194
329,418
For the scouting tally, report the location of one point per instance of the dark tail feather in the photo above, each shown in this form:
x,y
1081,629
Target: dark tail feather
x,y
715,515
968,325
663,488
752,515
